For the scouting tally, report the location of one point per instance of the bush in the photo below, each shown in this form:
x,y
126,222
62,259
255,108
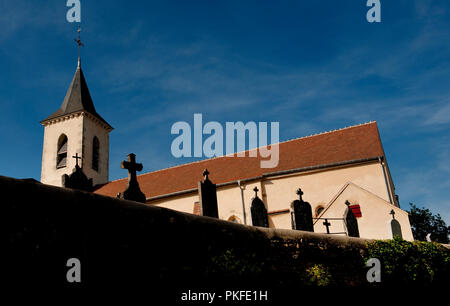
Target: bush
x,y
404,262
304,263
231,263
319,275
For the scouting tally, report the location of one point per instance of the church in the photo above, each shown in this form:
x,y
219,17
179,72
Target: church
x,y
338,181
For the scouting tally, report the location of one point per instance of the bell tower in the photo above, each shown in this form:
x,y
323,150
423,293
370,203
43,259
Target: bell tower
x,y
75,130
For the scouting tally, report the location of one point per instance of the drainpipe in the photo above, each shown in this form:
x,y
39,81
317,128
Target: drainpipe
x,y
388,189
242,201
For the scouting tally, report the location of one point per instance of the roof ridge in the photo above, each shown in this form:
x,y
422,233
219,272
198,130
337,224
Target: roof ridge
x,y
223,156
331,131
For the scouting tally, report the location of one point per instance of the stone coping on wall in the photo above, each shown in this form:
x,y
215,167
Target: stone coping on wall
x,y
31,187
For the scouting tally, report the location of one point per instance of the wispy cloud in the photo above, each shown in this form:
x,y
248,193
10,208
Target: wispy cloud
x,y
26,14
440,115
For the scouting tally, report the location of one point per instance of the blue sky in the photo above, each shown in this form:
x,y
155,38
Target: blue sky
x,y
311,65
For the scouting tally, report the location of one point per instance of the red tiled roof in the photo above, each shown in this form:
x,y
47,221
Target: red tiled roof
x,y
344,145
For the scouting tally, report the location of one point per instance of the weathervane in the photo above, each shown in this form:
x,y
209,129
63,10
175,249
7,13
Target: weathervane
x,y
80,44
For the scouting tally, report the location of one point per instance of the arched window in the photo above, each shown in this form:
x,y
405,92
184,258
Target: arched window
x,y
95,153
319,210
61,158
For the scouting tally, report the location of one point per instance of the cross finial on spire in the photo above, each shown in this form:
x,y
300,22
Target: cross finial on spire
x,y
256,191
205,174
300,193
80,44
76,158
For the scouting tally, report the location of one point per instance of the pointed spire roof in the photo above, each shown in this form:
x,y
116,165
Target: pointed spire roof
x,y
77,99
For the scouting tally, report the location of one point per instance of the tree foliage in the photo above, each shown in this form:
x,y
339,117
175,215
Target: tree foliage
x,y
423,222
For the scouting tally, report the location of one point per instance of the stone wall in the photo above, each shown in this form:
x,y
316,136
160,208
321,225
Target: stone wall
x,y
123,243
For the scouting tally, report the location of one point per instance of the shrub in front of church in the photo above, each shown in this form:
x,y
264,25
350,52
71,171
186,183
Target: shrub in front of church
x,y
300,263
405,262
319,275
231,263
283,263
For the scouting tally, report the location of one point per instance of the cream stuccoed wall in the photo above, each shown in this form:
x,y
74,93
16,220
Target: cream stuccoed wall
x,y
375,220
228,199
80,130
319,187
184,203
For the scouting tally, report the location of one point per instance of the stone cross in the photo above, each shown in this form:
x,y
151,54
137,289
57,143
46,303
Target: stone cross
x,y
133,192
205,174
132,167
327,225
256,191
76,158
77,180
392,213
300,193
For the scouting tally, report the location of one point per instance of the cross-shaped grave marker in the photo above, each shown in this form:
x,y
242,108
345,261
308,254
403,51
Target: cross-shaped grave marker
x,y
256,191
300,193
76,158
392,213
205,174
133,192
327,225
132,167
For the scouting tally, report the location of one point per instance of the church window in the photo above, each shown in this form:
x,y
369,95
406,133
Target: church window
x,y
319,210
95,153
61,159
